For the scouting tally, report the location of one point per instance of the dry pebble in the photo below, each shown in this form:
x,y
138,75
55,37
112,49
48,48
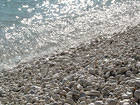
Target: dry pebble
x,y
103,72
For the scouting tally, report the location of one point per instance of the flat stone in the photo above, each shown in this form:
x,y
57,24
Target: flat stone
x,y
137,94
83,103
98,103
2,92
93,93
67,104
111,101
138,64
137,83
126,103
92,71
91,104
79,87
127,95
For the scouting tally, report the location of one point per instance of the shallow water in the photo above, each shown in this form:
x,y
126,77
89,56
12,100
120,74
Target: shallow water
x,y
30,28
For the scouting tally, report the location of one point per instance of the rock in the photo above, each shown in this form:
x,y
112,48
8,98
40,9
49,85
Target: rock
x,y
79,87
128,73
92,71
126,103
70,101
83,103
84,83
91,104
99,103
82,99
56,97
138,64
93,93
2,92
111,101
75,95
137,94
137,83
67,104
127,95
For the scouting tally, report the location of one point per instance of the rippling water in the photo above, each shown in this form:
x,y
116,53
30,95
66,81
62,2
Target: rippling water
x,y
34,27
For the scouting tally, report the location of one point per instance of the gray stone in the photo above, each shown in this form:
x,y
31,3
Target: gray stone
x,y
79,87
99,103
91,104
127,95
137,94
137,83
2,92
128,73
67,104
126,103
111,101
138,64
93,93
83,103
92,71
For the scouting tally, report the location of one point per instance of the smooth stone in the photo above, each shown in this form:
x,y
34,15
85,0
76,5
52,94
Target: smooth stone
x,y
138,64
137,94
70,101
99,103
82,99
127,95
92,71
126,103
137,83
91,104
111,101
82,94
2,92
128,73
79,87
93,93
67,104
83,103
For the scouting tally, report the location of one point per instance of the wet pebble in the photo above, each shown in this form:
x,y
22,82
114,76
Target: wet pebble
x,y
137,94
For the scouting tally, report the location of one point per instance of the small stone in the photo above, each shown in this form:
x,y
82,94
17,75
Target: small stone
x,y
137,83
82,95
127,95
82,99
91,104
70,101
128,73
92,71
56,97
111,101
126,103
99,103
67,104
138,64
137,94
93,93
2,92
79,87
83,103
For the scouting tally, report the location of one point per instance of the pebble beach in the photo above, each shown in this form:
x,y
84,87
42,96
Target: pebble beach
x,y
105,71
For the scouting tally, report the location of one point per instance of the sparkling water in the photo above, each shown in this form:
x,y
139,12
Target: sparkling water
x,y
30,28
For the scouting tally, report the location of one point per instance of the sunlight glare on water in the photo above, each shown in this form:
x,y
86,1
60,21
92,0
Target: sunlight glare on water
x,y
30,28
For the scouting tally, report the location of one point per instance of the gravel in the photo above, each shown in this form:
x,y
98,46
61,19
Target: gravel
x,y
105,71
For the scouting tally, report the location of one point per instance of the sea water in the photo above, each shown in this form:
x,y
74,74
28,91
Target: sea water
x,y
30,28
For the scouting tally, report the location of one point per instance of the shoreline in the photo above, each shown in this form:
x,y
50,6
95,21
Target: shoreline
x,y
104,72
